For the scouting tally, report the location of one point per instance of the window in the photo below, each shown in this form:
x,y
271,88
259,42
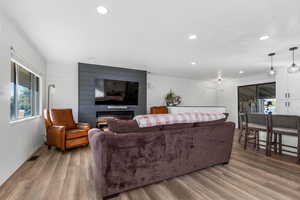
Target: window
x,y
25,93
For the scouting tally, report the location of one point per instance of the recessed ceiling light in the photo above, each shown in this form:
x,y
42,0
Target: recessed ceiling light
x,y
265,37
241,72
193,63
102,10
193,37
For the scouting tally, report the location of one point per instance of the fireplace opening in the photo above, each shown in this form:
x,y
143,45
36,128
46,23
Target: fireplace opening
x,y
103,116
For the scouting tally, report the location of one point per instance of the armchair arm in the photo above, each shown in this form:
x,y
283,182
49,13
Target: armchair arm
x,y
56,129
56,136
83,126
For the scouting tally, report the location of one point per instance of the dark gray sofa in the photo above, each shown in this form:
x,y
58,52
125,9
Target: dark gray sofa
x,y
128,157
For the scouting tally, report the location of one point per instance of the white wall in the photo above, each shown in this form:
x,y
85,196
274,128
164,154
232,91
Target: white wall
x,y
65,78
193,92
20,140
227,96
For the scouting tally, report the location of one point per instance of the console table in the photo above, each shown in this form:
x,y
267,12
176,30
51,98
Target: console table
x,y
180,109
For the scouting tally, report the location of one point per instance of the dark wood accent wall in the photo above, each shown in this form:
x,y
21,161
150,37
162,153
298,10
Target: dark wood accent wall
x,y
88,73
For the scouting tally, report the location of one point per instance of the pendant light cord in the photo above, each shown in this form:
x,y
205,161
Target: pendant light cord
x,y
271,61
293,68
293,56
271,57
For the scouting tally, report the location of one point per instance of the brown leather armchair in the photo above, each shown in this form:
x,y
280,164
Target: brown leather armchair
x,y
62,131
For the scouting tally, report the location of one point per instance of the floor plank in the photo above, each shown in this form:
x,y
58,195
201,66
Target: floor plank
x,y
69,176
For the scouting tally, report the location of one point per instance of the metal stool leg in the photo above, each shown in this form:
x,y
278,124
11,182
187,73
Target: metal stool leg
x,y
280,143
269,143
275,143
241,135
298,150
246,139
257,141
255,137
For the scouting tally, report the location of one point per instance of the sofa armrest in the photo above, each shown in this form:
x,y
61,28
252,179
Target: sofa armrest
x,y
83,126
56,135
226,116
98,144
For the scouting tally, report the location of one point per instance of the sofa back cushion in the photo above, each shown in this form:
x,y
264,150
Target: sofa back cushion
x,y
169,119
201,124
128,126
177,126
62,117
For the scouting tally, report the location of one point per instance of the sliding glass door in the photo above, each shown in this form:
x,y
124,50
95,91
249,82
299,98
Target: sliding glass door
x,y
257,98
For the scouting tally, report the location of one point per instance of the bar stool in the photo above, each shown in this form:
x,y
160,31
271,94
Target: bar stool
x,y
255,122
246,133
285,125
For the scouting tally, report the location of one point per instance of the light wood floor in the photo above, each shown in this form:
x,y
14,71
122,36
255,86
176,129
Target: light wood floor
x,y
69,176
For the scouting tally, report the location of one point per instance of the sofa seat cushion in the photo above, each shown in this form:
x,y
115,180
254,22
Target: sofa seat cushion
x,y
177,126
76,133
128,126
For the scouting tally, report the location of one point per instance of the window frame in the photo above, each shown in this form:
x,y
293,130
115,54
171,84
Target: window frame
x,y
12,121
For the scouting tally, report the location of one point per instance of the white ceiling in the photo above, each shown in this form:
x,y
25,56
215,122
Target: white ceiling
x,y
152,34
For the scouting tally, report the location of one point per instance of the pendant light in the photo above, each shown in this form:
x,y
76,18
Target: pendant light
x,y
293,68
272,71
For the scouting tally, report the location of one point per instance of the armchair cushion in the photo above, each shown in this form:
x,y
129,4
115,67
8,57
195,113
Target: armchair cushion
x,y
62,117
76,133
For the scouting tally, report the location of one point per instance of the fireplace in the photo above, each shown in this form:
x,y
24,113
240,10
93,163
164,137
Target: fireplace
x,y
103,116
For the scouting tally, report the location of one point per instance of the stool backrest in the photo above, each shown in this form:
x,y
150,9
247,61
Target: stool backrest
x,y
285,121
257,118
